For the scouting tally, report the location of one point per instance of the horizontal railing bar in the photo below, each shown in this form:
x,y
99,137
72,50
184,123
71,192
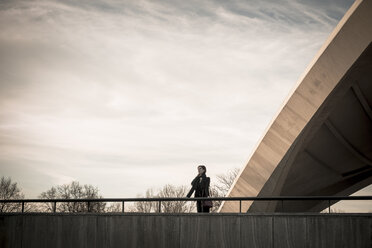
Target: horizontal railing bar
x,y
272,198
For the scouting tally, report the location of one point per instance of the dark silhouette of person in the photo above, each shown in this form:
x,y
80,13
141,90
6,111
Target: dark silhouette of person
x,y
200,185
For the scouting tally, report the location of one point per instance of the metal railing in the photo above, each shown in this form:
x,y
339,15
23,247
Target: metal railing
x,y
162,199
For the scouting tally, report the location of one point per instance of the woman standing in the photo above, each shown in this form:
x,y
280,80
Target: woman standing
x,y
200,185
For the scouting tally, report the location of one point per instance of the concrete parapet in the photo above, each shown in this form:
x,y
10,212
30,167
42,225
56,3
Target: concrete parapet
x,y
186,230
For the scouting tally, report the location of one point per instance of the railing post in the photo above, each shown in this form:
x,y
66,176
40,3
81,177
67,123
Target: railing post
x,y
122,206
240,206
282,206
159,206
23,206
88,206
54,206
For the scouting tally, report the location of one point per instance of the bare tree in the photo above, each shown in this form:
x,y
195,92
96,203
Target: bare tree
x,y
144,206
74,191
215,192
175,206
225,181
114,207
166,206
10,191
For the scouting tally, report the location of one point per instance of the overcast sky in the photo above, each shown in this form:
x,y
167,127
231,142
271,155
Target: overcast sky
x,y
129,95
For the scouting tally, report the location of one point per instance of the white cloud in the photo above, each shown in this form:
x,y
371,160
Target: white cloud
x,y
146,89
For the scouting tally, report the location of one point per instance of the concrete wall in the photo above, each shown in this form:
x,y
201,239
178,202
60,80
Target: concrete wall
x,y
186,230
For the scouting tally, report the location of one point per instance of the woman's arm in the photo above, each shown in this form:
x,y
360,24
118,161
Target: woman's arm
x,y
193,183
190,192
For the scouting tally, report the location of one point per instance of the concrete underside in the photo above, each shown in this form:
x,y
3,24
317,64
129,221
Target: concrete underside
x,y
185,230
321,141
333,154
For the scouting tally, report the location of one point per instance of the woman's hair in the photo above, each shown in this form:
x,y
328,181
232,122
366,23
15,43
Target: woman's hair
x,y
204,168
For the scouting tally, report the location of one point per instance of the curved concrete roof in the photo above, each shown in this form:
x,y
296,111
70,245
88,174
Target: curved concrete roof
x,y
320,143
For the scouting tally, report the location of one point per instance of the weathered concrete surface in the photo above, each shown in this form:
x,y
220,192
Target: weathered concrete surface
x,y
324,129
185,230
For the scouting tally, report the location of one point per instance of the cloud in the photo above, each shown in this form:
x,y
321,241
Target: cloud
x,y
149,89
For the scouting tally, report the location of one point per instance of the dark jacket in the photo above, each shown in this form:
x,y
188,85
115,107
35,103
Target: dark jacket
x,y
200,185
